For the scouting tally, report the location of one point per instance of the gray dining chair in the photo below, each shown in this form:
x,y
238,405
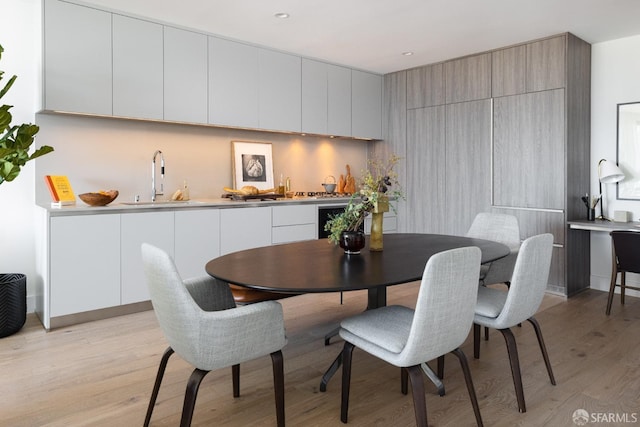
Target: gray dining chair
x,y
625,258
205,328
405,338
501,228
503,310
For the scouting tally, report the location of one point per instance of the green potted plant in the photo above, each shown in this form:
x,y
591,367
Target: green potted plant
x,y
372,197
15,142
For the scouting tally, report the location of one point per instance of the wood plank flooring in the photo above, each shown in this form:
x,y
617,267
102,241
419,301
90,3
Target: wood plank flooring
x,y
101,373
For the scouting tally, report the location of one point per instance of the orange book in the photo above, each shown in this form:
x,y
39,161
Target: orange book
x,y
60,189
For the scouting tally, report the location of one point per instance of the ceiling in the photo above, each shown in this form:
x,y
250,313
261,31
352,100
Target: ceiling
x,y
372,34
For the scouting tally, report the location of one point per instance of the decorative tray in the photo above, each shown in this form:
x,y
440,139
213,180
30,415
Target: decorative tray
x,y
245,197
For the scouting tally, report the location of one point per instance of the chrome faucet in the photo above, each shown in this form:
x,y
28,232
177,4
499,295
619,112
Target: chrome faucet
x,y
154,192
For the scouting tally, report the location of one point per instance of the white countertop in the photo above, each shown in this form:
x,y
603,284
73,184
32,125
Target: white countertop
x,y
80,208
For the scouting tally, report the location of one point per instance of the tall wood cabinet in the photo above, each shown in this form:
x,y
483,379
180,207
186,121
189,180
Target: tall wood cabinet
x,y
502,131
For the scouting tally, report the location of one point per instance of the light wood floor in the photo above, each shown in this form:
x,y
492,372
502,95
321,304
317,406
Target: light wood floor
x,y
101,373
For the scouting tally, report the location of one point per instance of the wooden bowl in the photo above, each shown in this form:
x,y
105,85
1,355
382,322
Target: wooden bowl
x,y
101,198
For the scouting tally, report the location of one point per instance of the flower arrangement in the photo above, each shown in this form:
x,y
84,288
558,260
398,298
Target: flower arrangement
x,y
374,186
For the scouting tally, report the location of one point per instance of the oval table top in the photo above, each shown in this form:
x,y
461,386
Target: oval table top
x,y
319,266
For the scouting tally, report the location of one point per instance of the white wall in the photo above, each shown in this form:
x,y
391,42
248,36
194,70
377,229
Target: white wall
x,y
20,37
614,79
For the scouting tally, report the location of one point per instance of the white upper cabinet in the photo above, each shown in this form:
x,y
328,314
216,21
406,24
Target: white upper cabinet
x,y
137,68
326,98
280,93
77,59
98,62
233,84
314,96
339,100
185,76
366,105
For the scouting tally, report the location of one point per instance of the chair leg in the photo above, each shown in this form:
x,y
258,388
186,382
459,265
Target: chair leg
x,y
404,380
543,348
467,378
347,352
623,284
512,350
476,341
612,286
278,385
440,366
331,334
235,377
156,387
417,390
190,396
486,333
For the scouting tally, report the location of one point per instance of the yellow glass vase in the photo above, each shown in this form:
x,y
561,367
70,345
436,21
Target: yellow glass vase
x,y
375,240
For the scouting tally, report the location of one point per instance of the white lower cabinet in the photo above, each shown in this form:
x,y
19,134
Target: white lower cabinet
x,y
155,228
244,228
294,223
84,257
197,240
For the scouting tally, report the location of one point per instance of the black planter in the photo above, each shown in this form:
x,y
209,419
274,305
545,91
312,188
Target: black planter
x,y
13,303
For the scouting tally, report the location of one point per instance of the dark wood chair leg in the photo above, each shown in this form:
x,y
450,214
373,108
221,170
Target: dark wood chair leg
x,y
543,348
278,385
486,333
467,378
440,367
347,352
623,284
235,377
190,396
476,341
417,390
156,386
512,349
404,381
612,286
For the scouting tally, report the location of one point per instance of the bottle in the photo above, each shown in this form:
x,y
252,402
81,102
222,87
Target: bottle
x,y
281,186
185,191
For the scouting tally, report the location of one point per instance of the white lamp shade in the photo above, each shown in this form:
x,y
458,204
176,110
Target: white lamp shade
x,y
609,172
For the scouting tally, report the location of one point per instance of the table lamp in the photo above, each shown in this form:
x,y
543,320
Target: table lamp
x,y
609,173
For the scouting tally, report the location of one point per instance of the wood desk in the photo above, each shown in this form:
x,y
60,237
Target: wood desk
x,y
602,225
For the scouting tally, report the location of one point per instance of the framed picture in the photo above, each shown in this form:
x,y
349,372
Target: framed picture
x,y
252,164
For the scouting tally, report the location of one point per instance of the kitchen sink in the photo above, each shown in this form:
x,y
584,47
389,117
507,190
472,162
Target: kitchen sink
x,y
162,203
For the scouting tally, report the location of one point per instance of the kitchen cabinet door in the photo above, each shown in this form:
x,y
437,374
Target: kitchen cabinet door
x,y
425,86
280,91
426,210
233,84
84,263
137,68
338,100
156,228
314,96
244,228
468,79
546,64
366,105
529,150
197,240
294,223
468,163
185,76
77,59
508,68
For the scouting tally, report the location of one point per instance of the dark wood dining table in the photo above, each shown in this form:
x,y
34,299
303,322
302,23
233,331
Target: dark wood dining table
x,y
319,266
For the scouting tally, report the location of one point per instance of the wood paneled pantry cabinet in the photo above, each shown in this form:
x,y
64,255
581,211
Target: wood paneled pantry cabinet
x,y
501,131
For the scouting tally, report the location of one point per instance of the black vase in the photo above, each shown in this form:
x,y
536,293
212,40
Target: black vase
x,y
352,242
13,303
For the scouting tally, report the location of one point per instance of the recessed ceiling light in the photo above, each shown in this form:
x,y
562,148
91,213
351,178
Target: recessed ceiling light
x,y
407,53
281,15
